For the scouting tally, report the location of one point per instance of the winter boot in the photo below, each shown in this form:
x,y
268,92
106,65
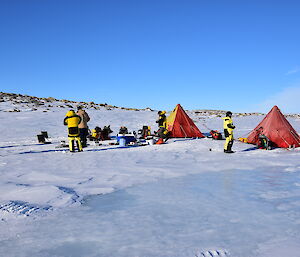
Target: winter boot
x,y
71,144
229,148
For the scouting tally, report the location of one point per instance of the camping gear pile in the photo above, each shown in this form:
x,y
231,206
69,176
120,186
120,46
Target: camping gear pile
x,y
98,134
43,138
145,132
215,134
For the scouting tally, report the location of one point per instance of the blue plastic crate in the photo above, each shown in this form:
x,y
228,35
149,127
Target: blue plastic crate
x,y
128,138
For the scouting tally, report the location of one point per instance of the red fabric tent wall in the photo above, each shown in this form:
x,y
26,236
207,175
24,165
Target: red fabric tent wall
x,y
182,125
276,127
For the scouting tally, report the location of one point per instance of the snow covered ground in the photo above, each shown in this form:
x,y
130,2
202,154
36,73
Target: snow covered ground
x,y
177,199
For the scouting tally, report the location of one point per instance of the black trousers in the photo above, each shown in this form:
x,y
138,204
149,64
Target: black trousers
x,y
162,133
83,132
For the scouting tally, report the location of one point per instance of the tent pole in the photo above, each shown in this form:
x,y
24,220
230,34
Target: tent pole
x,y
284,121
283,138
292,132
183,131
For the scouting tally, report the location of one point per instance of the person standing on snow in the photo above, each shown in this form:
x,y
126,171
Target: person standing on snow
x,y
162,124
83,127
228,132
72,120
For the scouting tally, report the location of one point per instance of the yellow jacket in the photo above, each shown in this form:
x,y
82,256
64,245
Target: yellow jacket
x,y
95,134
228,125
162,120
72,119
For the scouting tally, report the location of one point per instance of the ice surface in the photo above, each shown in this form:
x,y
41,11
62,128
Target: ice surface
x,y
183,198
221,211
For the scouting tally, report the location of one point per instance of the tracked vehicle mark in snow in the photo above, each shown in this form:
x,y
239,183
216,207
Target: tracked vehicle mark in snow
x,y
213,253
23,208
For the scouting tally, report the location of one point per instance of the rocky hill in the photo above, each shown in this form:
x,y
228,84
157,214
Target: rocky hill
x,y
10,102
18,103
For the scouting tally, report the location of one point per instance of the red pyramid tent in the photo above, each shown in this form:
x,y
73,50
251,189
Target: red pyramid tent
x,y
181,125
276,127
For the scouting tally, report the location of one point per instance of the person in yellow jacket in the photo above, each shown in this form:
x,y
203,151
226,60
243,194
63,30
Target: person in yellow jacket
x,y
228,132
72,120
162,127
96,134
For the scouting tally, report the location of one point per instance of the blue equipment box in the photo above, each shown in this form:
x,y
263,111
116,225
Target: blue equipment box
x,y
128,138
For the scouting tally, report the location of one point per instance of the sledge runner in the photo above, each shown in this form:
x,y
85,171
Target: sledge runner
x,y
162,124
228,132
72,120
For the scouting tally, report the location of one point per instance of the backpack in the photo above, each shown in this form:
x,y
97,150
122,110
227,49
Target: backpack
x,y
216,134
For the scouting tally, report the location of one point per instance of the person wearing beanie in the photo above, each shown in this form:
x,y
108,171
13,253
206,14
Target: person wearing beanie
x,y
228,132
83,127
72,120
162,124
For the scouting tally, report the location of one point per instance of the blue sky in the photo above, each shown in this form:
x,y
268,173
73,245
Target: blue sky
x,y
231,55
